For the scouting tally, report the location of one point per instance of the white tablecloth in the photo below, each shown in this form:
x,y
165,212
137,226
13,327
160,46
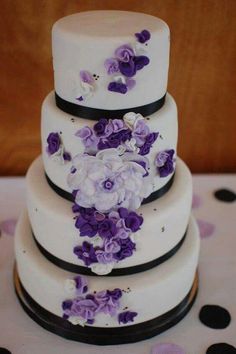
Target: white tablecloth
x,y
217,268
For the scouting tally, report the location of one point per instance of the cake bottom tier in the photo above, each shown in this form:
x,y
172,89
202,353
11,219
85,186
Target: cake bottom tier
x,y
105,310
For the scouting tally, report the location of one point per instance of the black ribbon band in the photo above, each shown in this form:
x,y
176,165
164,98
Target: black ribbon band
x,y
96,113
74,268
101,335
155,195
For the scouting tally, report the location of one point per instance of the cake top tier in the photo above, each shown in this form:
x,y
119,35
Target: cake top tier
x,y
110,59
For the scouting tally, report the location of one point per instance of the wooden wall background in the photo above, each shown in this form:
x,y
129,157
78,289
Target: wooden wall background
x,y
202,75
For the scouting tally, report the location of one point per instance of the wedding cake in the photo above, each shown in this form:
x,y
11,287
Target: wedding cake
x,y
107,250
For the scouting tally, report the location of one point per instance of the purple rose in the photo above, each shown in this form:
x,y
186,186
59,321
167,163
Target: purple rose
x,y
112,66
126,317
114,140
118,125
128,69
141,61
143,36
133,221
117,87
161,158
140,132
86,253
103,144
85,76
124,53
107,303
167,169
86,227
115,294
81,284
100,126
54,143
123,212
107,229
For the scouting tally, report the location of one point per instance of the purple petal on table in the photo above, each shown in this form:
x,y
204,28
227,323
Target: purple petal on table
x,y
167,348
8,226
197,201
206,228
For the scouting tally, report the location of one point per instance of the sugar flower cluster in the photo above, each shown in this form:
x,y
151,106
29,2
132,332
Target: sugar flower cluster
x,y
55,148
130,134
84,307
111,236
127,60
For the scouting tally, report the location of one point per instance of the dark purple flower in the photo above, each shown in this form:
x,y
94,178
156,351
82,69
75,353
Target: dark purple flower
x,y
81,284
126,317
67,156
151,138
115,294
90,321
107,229
86,227
167,163
123,212
133,221
127,248
141,61
143,36
54,143
114,140
124,53
99,127
86,253
117,87
128,68
66,305
145,149
103,144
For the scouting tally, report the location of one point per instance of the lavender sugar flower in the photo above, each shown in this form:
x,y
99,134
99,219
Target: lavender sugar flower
x,y
165,162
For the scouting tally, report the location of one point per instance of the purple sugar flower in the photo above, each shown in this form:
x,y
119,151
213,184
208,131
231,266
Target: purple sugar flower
x,y
117,87
100,126
66,305
141,61
107,303
54,143
111,246
112,66
85,308
115,294
126,317
123,212
127,248
86,227
107,229
145,149
124,53
86,76
140,132
114,140
165,162
103,144
104,257
86,253
151,138
133,221
118,125
89,139
128,68
143,36
81,284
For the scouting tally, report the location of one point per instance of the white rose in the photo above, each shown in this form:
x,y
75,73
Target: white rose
x,y
131,118
102,269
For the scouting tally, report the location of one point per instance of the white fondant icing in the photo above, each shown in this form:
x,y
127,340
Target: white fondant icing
x,y
53,224
83,41
54,120
162,287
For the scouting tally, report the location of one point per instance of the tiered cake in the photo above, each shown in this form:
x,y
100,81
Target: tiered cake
x,y
107,250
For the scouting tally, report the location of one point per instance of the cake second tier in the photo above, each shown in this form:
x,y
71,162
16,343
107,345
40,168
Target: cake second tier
x,y
161,234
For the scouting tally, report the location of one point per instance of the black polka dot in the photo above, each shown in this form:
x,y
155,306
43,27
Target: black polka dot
x,y
214,316
4,351
221,348
225,195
